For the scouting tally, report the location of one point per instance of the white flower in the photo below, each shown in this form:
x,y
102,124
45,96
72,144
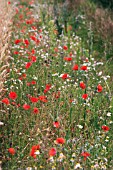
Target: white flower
x,y
100,73
73,155
77,166
37,152
72,160
106,140
80,126
61,157
28,168
56,74
108,114
51,159
53,168
1,123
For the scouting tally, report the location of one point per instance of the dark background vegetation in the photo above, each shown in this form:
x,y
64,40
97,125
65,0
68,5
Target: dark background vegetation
x,y
105,3
98,21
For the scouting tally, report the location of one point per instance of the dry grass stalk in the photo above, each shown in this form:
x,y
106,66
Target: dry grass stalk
x,y
6,15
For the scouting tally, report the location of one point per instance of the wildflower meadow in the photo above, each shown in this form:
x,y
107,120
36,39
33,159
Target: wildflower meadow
x,y
57,108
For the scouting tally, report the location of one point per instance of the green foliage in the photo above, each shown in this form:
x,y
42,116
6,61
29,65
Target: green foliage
x,y
105,3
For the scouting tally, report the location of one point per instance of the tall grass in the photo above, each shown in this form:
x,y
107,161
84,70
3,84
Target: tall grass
x,y
6,15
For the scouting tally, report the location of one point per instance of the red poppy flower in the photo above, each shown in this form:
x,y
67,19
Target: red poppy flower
x,y
99,88
34,27
60,140
82,85
31,2
86,60
40,30
33,82
15,104
43,99
56,124
5,100
83,68
28,83
11,151
56,49
71,100
37,41
17,41
34,99
65,76
70,53
28,65
40,36
33,59
52,152
22,77
35,110
16,52
85,155
26,42
16,10
65,47
47,88
57,94
105,128
29,22
35,147
26,107
68,58
75,67
33,150
9,2
33,51
33,38
12,95
85,96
